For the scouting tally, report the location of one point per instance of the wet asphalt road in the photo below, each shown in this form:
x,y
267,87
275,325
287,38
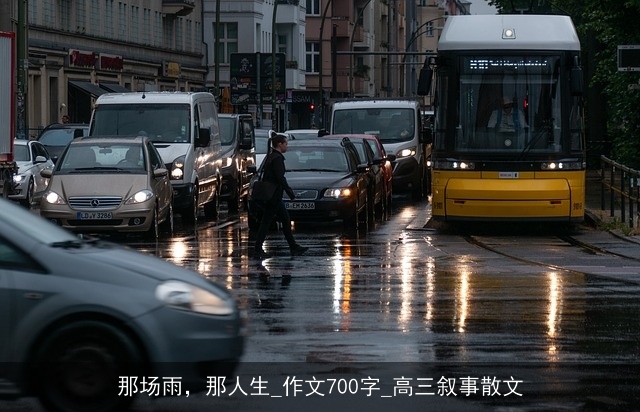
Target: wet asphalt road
x,y
424,303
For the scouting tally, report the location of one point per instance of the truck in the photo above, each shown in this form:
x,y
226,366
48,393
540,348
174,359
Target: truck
x,y
398,124
8,167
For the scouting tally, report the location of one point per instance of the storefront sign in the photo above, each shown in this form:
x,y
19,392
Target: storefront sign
x,y
82,58
110,62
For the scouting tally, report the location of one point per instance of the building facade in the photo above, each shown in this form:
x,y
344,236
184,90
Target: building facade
x,y
79,49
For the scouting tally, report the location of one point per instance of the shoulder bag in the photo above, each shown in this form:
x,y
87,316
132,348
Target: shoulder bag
x,y
262,190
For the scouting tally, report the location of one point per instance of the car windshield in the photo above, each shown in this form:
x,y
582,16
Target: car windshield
x,y
325,159
27,222
21,153
163,123
117,156
302,134
227,130
261,143
57,137
389,124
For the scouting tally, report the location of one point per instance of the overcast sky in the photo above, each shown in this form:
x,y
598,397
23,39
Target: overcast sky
x,y
481,7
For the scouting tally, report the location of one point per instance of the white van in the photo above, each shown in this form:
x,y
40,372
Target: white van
x,y
184,128
398,125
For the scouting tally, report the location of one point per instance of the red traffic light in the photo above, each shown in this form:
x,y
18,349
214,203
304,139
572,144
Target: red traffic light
x,y
312,107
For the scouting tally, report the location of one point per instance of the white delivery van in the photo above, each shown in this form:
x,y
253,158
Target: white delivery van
x,y
184,128
398,125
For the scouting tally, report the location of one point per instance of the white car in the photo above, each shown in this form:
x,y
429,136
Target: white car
x,y
302,134
31,157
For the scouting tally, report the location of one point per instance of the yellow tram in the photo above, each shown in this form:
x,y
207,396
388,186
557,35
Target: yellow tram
x,y
508,141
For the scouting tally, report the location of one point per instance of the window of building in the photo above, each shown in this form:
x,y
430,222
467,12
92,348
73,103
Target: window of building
x,y
313,57
135,22
146,26
428,30
108,19
228,36
122,19
94,18
282,44
313,7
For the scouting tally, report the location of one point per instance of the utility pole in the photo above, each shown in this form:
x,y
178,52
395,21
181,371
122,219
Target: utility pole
x,y
23,70
320,87
274,43
216,58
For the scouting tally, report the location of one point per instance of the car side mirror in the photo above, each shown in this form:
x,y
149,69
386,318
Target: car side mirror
x,y
204,137
161,172
252,168
246,143
391,157
40,159
46,173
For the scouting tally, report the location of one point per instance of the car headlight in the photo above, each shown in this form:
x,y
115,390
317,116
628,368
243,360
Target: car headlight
x,y
139,197
54,199
228,161
338,192
181,295
410,151
19,178
177,168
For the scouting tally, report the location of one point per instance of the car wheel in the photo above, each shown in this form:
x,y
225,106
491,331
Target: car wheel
x,y
154,229
417,190
190,213
167,225
28,199
212,209
233,204
76,367
6,183
352,222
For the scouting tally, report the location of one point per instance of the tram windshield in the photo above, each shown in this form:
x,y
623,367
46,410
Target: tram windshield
x,y
508,104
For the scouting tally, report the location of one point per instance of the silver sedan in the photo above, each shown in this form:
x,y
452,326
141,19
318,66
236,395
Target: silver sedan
x,y
78,318
31,157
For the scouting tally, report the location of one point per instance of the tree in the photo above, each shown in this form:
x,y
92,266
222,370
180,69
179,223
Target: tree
x,y
602,26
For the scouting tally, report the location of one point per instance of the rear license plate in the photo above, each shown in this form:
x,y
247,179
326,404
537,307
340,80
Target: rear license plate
x,y
300,205
94,215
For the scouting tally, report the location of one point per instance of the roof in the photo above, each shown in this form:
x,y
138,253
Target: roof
x,y
532,32
375,103
109,140
152,97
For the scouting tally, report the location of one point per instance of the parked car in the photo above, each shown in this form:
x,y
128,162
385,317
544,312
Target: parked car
x,y
238,151
372,152
377,184
302,134
79,315
262,145
329,181
31,157
110,184
57,136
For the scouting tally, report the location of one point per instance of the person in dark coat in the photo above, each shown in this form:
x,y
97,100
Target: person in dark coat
x,y
274,171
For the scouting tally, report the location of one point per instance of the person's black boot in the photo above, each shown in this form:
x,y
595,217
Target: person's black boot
x,y
260,254
298,250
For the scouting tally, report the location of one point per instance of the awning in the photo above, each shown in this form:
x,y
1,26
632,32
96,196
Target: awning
x,y
88,87
114,88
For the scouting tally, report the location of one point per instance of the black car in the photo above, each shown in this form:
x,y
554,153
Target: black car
x,y
377,196
329,180
57,136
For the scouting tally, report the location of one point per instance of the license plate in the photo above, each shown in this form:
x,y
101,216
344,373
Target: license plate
x,y
508,175
300,205
94,215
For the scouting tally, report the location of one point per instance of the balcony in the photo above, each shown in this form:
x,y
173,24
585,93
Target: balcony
x,y
343,26
362,39
178,7
289,12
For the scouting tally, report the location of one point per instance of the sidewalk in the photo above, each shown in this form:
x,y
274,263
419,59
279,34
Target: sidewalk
x,y
595,216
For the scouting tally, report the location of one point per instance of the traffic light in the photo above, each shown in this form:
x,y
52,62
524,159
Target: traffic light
x,y
312,107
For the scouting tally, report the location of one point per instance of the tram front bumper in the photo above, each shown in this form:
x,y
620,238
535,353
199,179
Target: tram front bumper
x,y
533,199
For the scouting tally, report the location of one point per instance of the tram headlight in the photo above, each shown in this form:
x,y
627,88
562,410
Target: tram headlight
x,y
453,165
563,165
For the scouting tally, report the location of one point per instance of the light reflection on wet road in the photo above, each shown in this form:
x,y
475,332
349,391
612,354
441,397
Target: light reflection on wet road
x,y
404,293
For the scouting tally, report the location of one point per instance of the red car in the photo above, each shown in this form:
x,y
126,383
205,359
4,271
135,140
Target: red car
x,y
382,165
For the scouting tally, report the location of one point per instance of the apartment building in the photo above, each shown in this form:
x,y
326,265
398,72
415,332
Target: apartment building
x,y
79,49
